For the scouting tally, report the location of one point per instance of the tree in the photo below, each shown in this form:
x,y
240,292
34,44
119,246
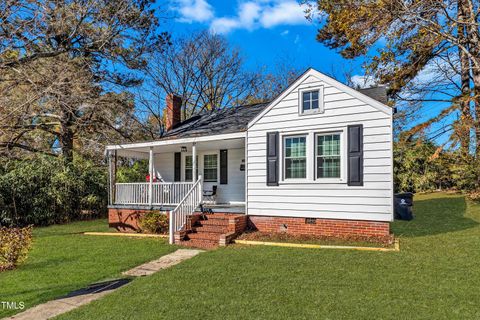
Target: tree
x,y
441,37
203,69
421,165
63,68
273,83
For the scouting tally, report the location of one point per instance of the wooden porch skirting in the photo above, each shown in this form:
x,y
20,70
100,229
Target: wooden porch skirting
x,y
126,220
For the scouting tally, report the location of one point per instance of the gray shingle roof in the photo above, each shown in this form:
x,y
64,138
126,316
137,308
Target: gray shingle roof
x,y
236,119
378,93
228,120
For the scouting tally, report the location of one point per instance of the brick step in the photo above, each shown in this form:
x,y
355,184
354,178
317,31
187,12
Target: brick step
x,y
212,222
210,228
204,236
218,216
202,244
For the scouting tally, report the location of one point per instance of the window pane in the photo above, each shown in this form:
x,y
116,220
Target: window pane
x,y
306,96
295,158
295,168
328,156
306,99
306,105
314,95
314,104
328,167
188,168
210,167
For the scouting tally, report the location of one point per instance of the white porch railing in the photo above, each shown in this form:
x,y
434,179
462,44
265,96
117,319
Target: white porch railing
x,y
178,216
163,193
131,193
170,193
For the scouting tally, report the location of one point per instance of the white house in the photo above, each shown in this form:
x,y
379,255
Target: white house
x,y
315,160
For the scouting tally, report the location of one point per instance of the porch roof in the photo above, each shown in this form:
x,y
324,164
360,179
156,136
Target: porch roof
x,y
140,150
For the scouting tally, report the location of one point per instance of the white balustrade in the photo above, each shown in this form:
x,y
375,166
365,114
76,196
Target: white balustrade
x,y
188,205
164,193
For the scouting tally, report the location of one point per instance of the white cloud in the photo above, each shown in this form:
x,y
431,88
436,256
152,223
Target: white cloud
x,y
297,39
285,33
255,14
362,81
223,25
248,14
283,13
194,10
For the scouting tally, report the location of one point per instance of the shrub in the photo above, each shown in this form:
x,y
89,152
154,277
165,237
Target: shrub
x,y
154,222
14,246
132,171
474,196
44,190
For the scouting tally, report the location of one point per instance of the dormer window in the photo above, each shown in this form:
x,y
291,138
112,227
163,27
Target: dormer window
x,y
311,101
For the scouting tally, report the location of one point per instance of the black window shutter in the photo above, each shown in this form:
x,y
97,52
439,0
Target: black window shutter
x,y
272,158
355,155
178,166
223,166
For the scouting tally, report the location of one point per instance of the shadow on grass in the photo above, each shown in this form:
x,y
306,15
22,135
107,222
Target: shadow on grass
x,y
435,216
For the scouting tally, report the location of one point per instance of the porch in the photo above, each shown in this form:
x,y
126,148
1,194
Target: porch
x,y
185,177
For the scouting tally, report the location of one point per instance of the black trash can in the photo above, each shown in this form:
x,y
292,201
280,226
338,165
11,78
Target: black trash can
x,y
403,206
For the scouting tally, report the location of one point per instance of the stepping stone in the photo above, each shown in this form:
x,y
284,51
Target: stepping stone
x,y
162,263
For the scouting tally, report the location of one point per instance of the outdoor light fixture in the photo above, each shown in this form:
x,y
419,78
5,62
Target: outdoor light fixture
x,y
184,149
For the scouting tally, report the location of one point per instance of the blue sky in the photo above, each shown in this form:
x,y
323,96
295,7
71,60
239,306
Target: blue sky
x,y
269,32
266,31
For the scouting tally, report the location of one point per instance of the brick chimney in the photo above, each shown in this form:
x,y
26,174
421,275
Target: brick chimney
x,y
173,111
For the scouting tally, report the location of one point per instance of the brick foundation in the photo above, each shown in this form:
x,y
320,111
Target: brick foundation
x,y
320,227
125,220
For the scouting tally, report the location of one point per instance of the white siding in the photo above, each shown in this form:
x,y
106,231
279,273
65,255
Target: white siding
x,y
232,192
372,201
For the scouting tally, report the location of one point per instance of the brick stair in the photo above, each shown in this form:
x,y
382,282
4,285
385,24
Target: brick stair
x,y
213,230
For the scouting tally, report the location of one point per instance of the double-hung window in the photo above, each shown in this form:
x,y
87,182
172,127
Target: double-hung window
x,y
189,168
295,157
310,101
328,159
210,167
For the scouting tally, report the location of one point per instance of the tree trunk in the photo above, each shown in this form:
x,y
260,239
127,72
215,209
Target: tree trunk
x,y
473,39
464,99
66,136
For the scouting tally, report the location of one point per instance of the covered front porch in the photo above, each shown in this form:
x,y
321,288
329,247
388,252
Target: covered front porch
x,y
185,176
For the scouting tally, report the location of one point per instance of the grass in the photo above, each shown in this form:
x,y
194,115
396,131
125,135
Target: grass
x,y
436,275
63,260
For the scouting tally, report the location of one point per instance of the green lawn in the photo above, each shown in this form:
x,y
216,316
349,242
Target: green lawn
x,y
436,275
62,260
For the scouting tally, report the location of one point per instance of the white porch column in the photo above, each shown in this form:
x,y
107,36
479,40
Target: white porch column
x,y
171,227
150,182
194,162
112,172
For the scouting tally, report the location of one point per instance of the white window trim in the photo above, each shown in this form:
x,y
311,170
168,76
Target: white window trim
x,y
311,157
343,156
218,166
321,104
283,158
